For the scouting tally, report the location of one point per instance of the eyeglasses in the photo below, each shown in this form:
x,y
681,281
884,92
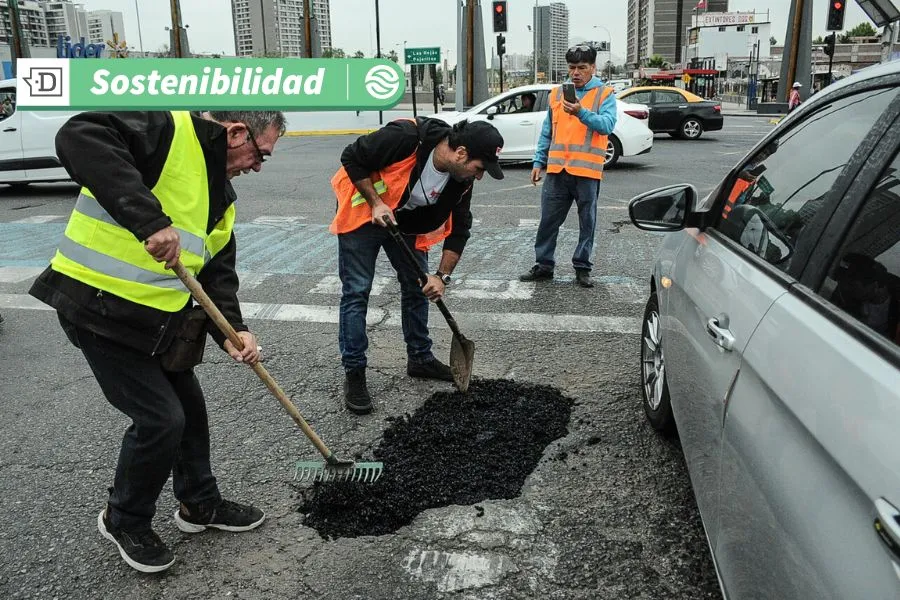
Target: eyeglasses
x,y
259,155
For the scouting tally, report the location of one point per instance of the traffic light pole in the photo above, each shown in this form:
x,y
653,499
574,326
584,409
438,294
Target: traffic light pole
x,y
830,61
501,73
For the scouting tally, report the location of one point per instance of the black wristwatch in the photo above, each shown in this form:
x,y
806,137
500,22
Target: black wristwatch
x,y
444,277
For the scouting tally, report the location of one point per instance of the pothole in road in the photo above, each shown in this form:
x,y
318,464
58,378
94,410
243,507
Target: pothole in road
x,y
455,449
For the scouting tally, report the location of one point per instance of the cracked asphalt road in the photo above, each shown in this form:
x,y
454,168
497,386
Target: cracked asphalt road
x,y
607,513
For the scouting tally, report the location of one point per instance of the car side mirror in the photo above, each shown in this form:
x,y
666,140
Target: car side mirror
x,y
663,209
491,111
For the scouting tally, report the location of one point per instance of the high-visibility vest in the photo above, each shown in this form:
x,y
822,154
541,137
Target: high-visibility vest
x,y
575,148
99,252
391,182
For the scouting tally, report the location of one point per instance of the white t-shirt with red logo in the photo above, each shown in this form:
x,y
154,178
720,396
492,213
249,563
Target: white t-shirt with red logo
x,y
429,187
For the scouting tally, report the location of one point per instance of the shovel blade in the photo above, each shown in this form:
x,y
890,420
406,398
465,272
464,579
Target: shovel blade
x,y
462,356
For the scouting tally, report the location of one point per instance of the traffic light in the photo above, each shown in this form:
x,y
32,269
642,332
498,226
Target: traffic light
x,y
501,45
836,10
829,44
499,16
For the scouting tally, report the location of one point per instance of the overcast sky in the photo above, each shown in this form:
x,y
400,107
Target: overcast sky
x,y
419,22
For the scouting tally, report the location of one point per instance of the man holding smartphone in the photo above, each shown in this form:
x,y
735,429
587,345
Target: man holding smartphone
x,y
572,149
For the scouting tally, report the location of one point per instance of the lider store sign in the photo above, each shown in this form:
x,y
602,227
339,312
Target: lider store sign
x,y
66,49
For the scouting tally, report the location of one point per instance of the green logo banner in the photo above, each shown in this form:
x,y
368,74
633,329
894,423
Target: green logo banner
x,y
292,84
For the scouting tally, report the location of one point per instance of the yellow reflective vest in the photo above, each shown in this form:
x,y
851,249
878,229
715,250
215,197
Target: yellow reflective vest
x,y
99,252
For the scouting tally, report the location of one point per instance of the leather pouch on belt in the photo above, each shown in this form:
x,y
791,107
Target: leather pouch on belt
x,y
186,349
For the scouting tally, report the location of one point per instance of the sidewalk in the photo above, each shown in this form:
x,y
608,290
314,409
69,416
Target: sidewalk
x,y
733,109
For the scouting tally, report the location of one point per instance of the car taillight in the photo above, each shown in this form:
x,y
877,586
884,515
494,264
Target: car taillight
x,y
638,114
717,108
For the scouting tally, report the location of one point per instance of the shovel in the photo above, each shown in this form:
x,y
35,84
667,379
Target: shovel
x,y
334,468
462,350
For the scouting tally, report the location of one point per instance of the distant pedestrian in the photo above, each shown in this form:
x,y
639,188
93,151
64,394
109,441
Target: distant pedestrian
x,y
794,99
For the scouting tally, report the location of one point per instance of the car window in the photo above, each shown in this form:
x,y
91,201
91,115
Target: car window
x,y
542,99
864,281
7,102
778,191
637,98
672,97
518,103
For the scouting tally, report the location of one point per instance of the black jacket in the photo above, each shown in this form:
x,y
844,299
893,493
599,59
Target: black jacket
x,y
395,142
119,156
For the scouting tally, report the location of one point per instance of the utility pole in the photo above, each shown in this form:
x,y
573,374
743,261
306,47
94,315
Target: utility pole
x,y
307,24
470,53
797,60
19,46
378,50
176,28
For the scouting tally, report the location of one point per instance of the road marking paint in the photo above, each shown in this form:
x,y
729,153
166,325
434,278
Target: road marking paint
x,y
529,223
457,571
484,321
42,219
277,220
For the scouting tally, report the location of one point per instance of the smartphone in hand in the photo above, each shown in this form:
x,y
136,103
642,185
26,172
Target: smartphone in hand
x,y
569,92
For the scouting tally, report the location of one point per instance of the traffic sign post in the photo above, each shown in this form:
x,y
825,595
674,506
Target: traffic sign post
x,y
421,56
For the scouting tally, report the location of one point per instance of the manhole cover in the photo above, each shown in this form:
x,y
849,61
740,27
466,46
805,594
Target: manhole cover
x,y
455,449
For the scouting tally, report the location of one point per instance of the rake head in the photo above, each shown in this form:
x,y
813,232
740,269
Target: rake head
x,y
365,472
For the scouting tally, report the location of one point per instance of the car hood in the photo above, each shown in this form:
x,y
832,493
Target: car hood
x,y
450,116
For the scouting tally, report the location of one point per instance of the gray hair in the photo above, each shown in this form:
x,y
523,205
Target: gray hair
x,y
256,120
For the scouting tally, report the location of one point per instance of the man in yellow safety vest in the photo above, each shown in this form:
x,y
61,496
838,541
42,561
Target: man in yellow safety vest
x,y
155,190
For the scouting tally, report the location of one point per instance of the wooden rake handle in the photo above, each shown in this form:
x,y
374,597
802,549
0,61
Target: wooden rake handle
x,y
197,292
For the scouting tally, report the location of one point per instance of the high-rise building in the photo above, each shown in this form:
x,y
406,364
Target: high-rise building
x,y
551,39
660,27
277,27
103,24
43,23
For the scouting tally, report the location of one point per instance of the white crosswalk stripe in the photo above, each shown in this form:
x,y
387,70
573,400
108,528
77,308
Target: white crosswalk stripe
x,y
42,219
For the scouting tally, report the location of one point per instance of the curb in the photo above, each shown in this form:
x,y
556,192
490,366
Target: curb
x,y
328,132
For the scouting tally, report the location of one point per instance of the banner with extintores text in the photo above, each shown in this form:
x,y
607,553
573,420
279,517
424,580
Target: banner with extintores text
x,y
291,84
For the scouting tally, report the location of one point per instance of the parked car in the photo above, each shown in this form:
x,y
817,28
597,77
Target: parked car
x,y
675,111
520,128
27,141
771,344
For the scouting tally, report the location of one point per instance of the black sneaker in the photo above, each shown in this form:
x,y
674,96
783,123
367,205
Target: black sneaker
x,y
583,278
356,394
537,273
142,550
228,516
433,369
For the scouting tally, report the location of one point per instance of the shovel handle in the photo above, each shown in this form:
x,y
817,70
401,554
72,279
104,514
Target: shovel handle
x,y
413,260
222,323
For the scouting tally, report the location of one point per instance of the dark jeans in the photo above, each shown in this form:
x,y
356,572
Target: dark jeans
x,y
169,432
558,192
357,253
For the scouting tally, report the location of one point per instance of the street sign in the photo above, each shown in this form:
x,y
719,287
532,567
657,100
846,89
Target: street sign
x,y
423,56
686,78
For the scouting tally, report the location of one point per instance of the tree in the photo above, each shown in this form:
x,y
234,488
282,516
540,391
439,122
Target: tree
x,y
393,56
658,62
864,29
359,54
773,41
334,53
819,40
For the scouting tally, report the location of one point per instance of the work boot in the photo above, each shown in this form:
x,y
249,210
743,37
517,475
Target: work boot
x,y
141,549
537,273
432,369
583,278
356,394
227,516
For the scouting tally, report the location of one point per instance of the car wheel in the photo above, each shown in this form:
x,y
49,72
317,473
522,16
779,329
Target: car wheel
x,y
613,151
691,128
654,387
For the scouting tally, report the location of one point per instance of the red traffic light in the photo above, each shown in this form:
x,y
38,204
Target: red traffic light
x,y
499,8
838,5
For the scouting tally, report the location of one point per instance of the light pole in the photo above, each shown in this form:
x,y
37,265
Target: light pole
x,y
608,50
140,39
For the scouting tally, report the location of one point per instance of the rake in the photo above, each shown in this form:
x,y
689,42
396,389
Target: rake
x,y
334,468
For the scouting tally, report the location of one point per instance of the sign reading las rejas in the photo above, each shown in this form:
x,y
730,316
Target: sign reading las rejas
x,y
201,84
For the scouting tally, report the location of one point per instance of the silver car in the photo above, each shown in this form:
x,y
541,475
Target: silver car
x,y
771,345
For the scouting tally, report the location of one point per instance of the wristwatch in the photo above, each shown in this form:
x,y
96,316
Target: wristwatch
x,y
444,277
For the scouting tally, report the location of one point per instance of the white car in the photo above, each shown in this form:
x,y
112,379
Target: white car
x,y
520,130
28,141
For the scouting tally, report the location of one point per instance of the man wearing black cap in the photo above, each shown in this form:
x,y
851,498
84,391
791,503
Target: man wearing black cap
x,y
418,173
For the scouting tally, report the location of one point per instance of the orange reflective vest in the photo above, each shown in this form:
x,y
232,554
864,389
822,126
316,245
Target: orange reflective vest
x,y
574,147
353,211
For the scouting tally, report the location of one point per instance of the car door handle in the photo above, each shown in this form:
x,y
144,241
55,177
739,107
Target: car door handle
x,y
887,525
682,106
526,123
717,327
10,129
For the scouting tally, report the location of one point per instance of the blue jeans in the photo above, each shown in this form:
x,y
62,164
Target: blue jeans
x,y
357,253
556,199
169,431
